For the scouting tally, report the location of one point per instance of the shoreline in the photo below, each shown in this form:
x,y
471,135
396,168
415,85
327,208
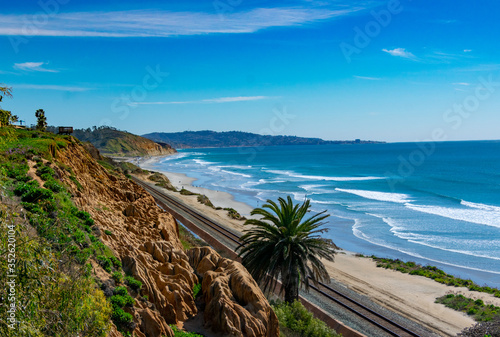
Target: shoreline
x,y
409,295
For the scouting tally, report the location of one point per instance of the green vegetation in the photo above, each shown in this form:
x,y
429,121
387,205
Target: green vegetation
x,y
162,181
209,138
6,117
233,214
54,288
188,240
296,320
183,191
196,290
203,199
136,285
475,308
282,244
180,333
41,120
117,276
434,273
51,298
113,142
119,300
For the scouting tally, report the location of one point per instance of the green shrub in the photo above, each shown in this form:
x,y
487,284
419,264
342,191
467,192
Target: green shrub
x,y
54,186
196,290
295,319
133,283
120,291
117,263
121,318
36,194
475,308
183,191
122,300
117,276
108,232
105,263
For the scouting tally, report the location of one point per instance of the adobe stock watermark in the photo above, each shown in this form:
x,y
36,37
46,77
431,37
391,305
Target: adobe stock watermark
x,y
277,124
11,276
363,37
223,7
124,105
453,119
34,23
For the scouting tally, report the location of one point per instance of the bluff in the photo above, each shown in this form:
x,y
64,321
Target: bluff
x,y
189,139
145,238
112,142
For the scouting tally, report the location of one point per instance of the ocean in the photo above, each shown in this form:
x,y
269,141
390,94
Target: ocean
x,y
434,203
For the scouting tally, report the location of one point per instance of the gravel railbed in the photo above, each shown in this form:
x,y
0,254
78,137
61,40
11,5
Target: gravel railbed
x,y
354,321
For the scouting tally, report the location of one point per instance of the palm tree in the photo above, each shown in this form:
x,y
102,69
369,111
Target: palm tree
x,y
282,244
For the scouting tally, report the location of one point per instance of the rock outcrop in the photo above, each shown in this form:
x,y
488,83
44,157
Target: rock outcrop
x,y
146,240
235,305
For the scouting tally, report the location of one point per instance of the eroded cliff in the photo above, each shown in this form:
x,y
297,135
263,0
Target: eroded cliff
x,y
145,238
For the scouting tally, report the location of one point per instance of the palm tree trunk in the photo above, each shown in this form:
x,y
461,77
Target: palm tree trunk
x,y
291,285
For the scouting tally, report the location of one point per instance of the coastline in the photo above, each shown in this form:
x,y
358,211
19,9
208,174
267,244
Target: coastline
x,y
411,296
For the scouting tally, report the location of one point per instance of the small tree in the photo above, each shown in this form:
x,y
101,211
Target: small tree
x,y
6,117
41,123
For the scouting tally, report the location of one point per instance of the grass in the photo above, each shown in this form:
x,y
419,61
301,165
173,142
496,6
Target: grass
x,y
434,273
475,308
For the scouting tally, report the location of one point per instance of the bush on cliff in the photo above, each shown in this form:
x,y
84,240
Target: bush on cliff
x,y
296,320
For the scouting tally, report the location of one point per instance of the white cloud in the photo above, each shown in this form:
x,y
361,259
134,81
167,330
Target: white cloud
x,y
49,87
235,99
461,83
400,52
467,50
33,66
144,23
210,100
367,78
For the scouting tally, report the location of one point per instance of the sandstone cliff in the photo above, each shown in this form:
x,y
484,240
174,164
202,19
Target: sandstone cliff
x,y
145,238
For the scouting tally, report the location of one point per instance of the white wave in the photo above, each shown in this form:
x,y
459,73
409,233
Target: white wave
x,y
297,175
174,157
323,202
480,206
477,216
380,196
237,174
241,167
203,162
359,234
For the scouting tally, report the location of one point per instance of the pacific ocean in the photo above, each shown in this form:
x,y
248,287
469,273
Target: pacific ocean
x,y
434,203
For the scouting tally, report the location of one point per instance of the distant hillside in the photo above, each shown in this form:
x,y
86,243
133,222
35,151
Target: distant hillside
x,y
188,139
113,142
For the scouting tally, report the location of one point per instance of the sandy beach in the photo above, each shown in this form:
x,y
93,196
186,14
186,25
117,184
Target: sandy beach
x,y
410,296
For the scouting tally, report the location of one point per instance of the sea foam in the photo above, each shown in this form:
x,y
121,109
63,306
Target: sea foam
x,y
380,196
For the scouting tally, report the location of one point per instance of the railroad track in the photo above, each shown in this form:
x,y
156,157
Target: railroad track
x,y
380,321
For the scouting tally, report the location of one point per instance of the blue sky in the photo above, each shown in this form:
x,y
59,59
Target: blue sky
x,y
384,70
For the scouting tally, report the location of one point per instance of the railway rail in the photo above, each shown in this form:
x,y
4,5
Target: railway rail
x,y
369,315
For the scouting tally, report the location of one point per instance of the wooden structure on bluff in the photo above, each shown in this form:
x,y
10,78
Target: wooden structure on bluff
x,y
65,130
